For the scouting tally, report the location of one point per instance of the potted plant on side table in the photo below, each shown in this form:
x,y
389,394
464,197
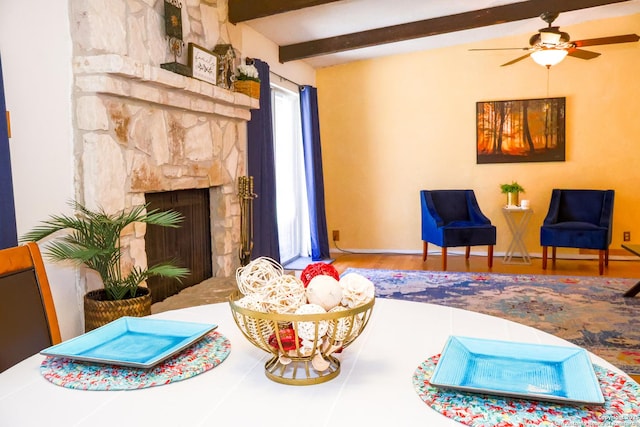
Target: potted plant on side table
x,y
513,191
93,240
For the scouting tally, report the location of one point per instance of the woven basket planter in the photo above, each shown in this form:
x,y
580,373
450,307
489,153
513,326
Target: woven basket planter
x,y
99,311
248,87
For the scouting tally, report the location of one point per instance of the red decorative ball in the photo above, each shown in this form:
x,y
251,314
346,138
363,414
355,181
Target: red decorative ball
x,y
287,338
317,268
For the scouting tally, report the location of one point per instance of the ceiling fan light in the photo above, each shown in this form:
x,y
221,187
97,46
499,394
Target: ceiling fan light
x,y
548,57
549,38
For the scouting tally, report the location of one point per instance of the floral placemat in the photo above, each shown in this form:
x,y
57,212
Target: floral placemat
x,y
621,408
200,357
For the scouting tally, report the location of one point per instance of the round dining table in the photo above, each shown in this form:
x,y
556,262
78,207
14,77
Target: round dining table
x,y
374,386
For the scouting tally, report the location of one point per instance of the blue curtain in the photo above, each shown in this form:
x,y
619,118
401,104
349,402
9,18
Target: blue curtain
x,y
313,172
8,231
261,165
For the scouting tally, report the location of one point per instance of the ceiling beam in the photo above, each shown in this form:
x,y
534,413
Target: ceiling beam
x,y
431,27
245,10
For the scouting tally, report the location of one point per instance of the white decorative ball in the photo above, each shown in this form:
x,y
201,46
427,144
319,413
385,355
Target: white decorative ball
x,y
252,302
325,291
356,290
307,330
341,328
260,331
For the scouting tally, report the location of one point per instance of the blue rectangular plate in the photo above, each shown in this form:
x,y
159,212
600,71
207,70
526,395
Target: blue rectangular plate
x,y
138,342
520,370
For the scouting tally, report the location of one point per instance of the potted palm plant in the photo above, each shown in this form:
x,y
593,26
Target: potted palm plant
x,y
513,191
93,240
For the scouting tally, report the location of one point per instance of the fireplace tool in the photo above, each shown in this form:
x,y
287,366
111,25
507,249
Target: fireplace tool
x,y
246,196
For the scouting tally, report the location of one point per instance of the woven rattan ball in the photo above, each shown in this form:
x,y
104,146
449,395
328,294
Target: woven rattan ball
x,y
253,277
258,329
356,290
252,302
283,294
307,330
318,268
344,327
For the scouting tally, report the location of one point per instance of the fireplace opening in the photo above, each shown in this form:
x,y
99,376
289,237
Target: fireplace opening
x,y
188,245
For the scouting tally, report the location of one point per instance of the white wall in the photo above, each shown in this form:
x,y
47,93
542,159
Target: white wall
x,y
36,61
255,45
408,134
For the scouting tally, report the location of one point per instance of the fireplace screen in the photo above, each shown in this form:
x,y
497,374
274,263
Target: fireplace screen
x,y
189,245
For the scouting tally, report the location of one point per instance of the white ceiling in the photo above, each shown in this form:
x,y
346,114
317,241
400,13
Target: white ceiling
x,y
350,16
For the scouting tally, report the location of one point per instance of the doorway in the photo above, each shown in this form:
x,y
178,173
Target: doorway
x,y
291,194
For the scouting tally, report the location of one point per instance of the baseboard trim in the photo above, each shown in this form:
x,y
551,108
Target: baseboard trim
x,y
614,254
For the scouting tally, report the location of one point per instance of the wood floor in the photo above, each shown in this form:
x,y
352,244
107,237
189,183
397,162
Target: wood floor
x,y
564,267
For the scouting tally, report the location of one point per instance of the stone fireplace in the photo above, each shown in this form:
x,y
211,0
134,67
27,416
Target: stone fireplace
x,y
142,129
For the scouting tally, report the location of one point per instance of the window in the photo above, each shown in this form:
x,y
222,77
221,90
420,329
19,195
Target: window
x,y
291,195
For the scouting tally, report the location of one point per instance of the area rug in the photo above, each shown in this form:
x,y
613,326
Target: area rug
x,y
585,310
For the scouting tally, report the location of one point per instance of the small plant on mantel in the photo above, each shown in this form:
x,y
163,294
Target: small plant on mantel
x,y
247,79
247,72
93,239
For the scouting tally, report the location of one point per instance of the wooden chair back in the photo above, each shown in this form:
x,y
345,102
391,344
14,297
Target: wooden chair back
x,y
28,321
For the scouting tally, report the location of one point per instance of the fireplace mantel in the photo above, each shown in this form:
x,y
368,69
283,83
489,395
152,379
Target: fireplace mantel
x,y
123,76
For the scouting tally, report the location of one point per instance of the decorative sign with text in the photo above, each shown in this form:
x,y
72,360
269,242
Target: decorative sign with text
x,y
203,63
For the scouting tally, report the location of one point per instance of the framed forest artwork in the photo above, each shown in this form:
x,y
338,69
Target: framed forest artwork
x,y
524,130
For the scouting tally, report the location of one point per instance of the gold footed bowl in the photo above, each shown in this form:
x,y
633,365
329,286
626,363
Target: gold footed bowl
x,y
302,346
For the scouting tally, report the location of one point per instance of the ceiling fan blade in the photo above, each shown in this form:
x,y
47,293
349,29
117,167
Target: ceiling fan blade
x,y
626,38
516,60
582,54
502,48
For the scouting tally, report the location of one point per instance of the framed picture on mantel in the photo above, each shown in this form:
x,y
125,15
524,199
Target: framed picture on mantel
x,y
526,130
203,63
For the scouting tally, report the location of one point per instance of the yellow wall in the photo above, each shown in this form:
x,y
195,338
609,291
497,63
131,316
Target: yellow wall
x,y
395,125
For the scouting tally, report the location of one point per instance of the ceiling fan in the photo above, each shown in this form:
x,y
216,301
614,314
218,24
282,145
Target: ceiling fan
x,y
550,45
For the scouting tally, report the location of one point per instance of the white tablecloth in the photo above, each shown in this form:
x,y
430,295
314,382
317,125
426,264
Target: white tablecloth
x,y
373,387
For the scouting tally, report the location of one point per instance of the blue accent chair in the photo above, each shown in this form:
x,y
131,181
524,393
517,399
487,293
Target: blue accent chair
x,y
453,218
578,219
